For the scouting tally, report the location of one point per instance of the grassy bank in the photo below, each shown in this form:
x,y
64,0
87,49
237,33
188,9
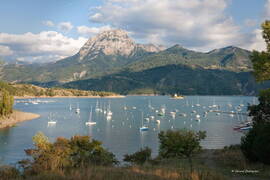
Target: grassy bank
x,y
223,164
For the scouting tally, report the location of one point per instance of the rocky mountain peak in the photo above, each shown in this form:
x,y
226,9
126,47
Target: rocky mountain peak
x,y
114,42
111,42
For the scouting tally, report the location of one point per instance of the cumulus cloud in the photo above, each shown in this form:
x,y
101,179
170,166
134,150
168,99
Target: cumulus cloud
x,y
256,42
44,46
267,9
90,31
197,24
65,26
5,51
48,23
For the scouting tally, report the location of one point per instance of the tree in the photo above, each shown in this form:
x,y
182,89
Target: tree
x,y
181,143
6,103
79,151
139,157
256,144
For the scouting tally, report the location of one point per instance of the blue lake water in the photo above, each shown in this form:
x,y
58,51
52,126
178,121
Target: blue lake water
x,y
121,134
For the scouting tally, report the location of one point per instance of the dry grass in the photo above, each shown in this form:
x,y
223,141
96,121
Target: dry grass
x,y
120,173
232,158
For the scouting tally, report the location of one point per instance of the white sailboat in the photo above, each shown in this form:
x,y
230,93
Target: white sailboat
x,y
143,127
97,108
51,121
70,108
90,122
109,112
77,111
198,104
214,104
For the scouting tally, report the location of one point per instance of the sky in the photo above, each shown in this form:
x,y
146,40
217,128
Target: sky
x,y
45,31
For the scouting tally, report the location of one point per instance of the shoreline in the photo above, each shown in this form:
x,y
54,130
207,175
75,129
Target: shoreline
x,y
118,96
34,97
17,117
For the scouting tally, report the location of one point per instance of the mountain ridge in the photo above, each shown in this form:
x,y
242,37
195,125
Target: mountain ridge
x,y
113,52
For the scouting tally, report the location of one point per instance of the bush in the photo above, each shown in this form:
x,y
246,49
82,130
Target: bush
x,y
79,151
181,143
256,144
139,157
8,172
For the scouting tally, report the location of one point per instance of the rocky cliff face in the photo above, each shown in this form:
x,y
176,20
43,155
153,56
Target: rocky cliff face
x,y
114,42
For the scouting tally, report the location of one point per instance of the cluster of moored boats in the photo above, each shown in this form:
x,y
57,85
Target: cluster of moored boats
x,y
34,101
244,126
159,112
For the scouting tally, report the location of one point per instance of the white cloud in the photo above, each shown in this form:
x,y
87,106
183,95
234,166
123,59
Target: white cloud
x,y
65,26
267,9
197,24
48,23
5,51
44,46
90,31
256,42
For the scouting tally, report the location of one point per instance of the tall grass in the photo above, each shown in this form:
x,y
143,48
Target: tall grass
x,y
120,173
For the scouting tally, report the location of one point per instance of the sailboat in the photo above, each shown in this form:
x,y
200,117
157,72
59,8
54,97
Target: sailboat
x,y
70,108
109,112
77,111
90,122
214,104
143,127
198,104
97,108
162,111
51,122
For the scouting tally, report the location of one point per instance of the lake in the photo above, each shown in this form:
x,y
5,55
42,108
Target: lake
x,y
120,134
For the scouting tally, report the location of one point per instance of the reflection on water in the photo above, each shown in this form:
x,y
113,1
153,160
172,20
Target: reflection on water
x,y
118,121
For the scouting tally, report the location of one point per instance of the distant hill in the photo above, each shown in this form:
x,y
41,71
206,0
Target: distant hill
x,y
112,57
36,91
229,58
171,79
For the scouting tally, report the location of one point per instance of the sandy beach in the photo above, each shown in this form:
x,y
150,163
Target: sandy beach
x,y
16,117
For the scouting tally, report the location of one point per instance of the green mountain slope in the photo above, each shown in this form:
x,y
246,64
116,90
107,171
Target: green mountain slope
x,y
112,51
229,58
171,79
112,61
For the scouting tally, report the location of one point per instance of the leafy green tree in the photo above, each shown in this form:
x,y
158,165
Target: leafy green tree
x,y
139,157
180,144
6,103
79,151
256,144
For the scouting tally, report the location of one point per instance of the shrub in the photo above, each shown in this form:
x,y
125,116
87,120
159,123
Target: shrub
x,y
79,151
139,157
181,143
256,144
8,172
